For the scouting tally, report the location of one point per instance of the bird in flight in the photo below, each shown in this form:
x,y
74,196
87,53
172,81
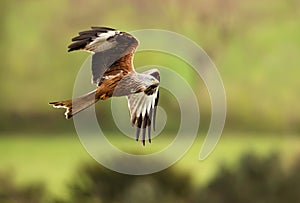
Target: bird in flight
x,y
114,74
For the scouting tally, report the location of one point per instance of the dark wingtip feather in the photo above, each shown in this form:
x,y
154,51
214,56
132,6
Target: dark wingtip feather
x,y
149,133
149,125
154,117
102,28
78,45
137,134
138,129
154,110
86,37
144,131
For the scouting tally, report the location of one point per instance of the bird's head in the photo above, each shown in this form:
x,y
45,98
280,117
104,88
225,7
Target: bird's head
x,y
150,83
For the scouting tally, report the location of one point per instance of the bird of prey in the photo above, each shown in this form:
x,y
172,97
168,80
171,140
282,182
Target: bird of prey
x,y
114,74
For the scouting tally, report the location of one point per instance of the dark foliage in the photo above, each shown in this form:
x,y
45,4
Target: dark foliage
x,y
98,184
10,192
255,180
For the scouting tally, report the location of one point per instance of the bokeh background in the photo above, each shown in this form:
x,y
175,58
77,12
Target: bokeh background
x,y
254,44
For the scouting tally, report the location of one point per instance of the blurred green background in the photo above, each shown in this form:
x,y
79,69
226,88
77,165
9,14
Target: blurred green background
x,y
254,44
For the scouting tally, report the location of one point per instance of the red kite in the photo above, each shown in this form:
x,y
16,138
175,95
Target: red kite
x,y
114,75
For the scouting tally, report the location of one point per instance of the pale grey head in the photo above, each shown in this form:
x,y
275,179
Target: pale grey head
x,y
135,82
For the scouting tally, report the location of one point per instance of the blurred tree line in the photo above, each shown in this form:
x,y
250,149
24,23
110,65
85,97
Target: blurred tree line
x,y
255,179
254,44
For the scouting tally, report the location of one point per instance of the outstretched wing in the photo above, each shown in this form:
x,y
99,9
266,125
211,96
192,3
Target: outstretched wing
x,y
142,107
112,51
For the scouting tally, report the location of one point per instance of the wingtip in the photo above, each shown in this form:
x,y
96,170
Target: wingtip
x,y
102,28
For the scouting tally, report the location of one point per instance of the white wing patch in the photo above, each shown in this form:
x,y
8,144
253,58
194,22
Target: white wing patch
x,y
142,112
105,36
101,42
112,76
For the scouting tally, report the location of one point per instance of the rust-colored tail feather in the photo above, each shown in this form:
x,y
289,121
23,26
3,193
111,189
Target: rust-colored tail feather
x,y
74,106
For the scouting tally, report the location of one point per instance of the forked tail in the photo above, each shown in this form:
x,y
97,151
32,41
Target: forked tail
x,y
74,106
